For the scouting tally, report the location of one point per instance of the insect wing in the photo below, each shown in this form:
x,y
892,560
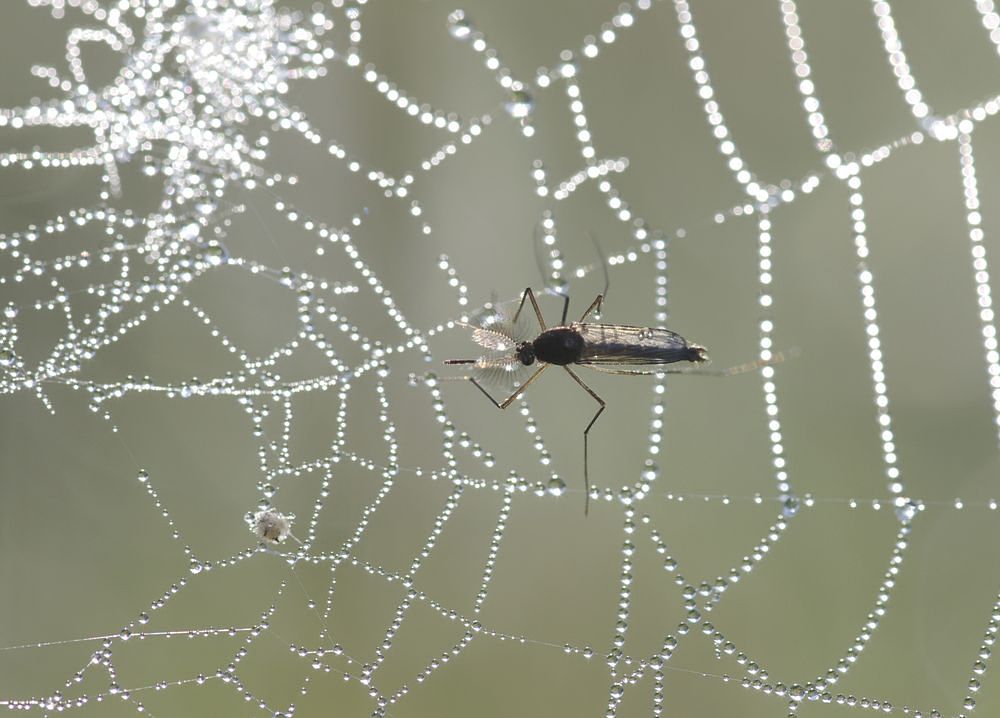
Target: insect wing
x,y
634,349
494,327
496,340
495,330
501,371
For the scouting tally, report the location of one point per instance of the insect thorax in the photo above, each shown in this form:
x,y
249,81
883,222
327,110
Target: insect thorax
x,y
560,345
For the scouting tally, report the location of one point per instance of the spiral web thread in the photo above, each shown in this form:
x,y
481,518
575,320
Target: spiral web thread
x,y
195,81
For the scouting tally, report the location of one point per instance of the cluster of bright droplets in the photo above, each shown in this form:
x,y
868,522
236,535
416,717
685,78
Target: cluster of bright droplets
x,y
227,64
180,104
187,127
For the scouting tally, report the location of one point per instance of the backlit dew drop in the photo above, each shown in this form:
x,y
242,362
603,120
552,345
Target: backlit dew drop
x,y
790,506
520,104
906,509
215,254
459,27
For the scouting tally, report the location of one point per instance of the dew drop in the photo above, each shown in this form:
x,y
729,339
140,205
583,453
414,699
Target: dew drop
x,y
459,26
215,254
613,657
190,232
520,104
906,509
625,496
568,69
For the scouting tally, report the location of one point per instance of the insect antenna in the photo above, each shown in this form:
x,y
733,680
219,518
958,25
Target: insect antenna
x,y
604,263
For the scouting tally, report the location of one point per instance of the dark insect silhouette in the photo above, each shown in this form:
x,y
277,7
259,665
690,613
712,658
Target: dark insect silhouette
x,y
609,348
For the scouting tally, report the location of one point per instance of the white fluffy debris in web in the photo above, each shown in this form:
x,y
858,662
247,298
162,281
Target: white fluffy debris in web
x,y
271,526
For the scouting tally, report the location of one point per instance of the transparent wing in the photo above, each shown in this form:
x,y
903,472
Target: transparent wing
x,y
497,340
634,350
502,371
494,327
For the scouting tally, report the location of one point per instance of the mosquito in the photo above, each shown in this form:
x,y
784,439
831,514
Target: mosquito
x,y
609,348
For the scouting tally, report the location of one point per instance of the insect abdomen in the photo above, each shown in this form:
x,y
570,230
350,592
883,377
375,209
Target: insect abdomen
x,y
614,352
628,345
697,353
561,346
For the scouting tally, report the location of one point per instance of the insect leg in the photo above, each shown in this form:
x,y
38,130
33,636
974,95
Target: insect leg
x,y
528,294
521,305
517,392
595,306
586,433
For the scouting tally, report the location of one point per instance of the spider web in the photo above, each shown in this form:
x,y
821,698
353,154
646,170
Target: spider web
x,y
239,241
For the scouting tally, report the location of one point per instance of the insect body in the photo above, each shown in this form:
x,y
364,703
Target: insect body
x,y
610,348
606,346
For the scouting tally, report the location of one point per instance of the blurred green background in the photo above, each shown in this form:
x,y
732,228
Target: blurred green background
x,y
83,549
